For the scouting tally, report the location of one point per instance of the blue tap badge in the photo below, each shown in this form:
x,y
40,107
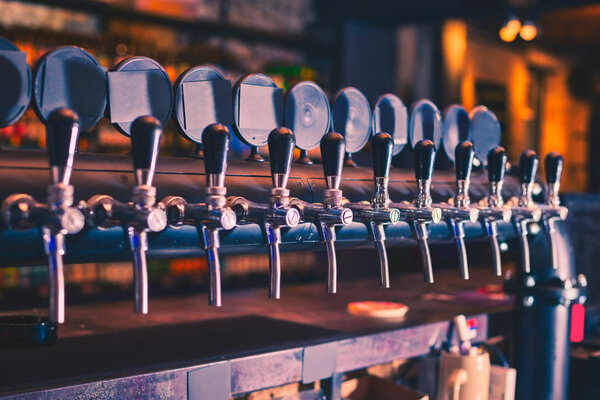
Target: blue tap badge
x,y
307,114
484,131
351,117
70,77
425,123
15,81
391,116
138,86
202,98
456,129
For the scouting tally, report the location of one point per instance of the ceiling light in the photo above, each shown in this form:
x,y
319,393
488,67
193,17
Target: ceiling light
x,y
528,30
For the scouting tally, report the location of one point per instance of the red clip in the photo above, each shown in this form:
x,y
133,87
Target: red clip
x,y
577,322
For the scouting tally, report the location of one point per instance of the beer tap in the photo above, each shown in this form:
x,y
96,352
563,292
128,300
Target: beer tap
x,y
552,211
420,212
378,213
524,210
212,216
331,213
460,212
141,215
277,213
492,208
58,217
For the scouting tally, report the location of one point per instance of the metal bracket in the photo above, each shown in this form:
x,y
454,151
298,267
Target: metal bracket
x,y
212,382
319,362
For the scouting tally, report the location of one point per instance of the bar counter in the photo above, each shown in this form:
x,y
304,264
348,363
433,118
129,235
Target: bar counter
x,y
106,351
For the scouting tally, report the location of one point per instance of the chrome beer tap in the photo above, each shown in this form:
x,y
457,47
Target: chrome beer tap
x,y
524,210
331,213
277,213
492,209
378,213
57,217
420,212
212,215
552,211
141,215
460,211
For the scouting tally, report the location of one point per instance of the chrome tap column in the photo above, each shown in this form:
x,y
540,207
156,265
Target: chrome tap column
x,y
277,213
57,217
213,215
141,215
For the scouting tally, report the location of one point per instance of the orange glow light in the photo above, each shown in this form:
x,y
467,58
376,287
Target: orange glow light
x,y
513,24
528,31
507,34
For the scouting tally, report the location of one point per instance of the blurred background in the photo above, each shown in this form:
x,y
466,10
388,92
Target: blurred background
x,y
536,64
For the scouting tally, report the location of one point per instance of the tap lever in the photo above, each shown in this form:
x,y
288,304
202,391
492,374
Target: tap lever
x,y
281,151
554,163
62,136
382,148
145,142
216,139
424,162
463,155
496,168
528,164
333,147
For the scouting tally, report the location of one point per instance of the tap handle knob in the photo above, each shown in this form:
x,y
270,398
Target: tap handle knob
x,y
496,167
382,147
215,139
554,163
333,148
281,151
62,135
528,164
463,156
145,142
424,159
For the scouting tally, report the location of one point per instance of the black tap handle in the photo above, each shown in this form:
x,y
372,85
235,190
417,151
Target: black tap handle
x,y
496,167
281,150
145,141
62,135
424,159
333,148
528,164
216,139
554,163
463,156
382,147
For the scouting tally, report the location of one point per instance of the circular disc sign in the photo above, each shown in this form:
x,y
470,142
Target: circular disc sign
x,y
15,81
485,132
425,123
455,129
257,108
307,114
70,77
391,116
351,117
202,97
138,86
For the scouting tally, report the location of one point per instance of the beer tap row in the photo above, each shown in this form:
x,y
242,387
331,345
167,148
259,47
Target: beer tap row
x,y
140,101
